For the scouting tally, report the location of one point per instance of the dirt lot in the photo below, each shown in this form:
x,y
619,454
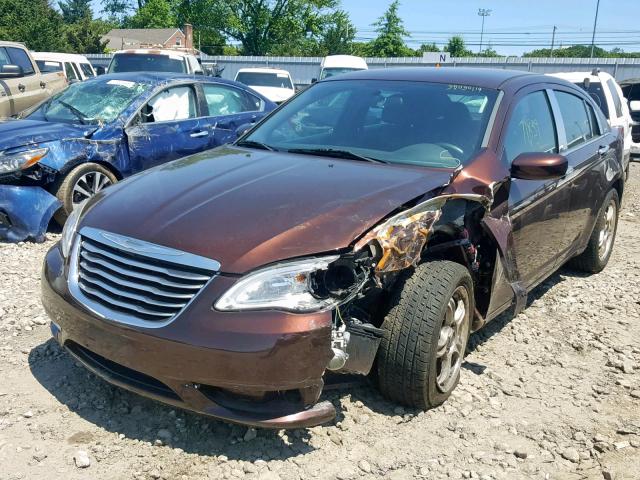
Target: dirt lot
x,y
552,393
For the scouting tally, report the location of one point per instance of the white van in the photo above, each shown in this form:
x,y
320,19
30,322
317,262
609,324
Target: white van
x,y
606,92
75,67
338,64
273,83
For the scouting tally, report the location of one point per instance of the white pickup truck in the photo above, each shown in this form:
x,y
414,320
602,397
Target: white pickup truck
x,y
22,85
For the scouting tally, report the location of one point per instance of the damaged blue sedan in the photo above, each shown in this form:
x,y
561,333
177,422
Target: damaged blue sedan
x,y
68,148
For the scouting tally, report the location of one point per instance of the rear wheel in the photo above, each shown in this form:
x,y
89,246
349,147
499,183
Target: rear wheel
x,y
598,251
425,335
80,184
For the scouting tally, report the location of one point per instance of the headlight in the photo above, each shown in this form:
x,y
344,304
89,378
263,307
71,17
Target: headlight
x,y
309,285
21,160
69,229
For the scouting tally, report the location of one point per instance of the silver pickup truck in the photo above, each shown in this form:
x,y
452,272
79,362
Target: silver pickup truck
x,y
21,82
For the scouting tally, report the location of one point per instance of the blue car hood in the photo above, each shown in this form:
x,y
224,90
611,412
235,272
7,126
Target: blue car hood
x,y
16,133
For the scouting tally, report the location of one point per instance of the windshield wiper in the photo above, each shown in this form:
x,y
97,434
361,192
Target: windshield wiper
x,y
335,153
254,144
79,115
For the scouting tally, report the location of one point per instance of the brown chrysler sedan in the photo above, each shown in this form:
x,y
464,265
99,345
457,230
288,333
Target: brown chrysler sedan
x,y
365,227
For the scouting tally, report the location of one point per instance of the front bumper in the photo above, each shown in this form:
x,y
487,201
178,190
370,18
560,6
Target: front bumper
x,y
25,212
256,368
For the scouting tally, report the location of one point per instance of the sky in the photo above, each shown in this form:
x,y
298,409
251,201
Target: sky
x,y
522,24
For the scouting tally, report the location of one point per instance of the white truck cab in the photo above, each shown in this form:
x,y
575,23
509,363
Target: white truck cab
x,y
273,83
606,92
338,64
75,67
155,60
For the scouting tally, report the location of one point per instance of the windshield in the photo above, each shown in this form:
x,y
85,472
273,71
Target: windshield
x,y
87,70
97,101
414,123
257,79
332,72
596,92
142,62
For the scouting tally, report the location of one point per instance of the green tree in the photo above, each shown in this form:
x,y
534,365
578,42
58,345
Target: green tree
x,y
457,48
577,51
75,10
426,47
117,11
206,35
85,36
265,26
391,34
153,14
338,35
33,22
489,52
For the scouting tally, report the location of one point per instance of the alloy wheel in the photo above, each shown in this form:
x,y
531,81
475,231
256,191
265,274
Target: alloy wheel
x,y
452,339
88,185
605,238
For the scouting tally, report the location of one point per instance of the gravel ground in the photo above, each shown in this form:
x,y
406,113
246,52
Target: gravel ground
x,y
552,393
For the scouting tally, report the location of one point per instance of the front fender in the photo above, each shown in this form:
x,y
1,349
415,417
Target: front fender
x,y
25,212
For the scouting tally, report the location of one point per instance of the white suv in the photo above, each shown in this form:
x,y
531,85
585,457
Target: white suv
x,y
606,92
273,83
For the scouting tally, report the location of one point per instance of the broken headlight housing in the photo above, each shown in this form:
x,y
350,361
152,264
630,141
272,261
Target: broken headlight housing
x,y
300,286
21,160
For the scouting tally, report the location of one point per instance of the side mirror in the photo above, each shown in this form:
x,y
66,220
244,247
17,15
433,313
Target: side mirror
x,y
634,105
539,166
100,70
244,128
314,80
11,71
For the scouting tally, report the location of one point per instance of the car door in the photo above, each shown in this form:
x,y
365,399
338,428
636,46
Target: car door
x,y
167,127
228,109
587,151
29,89
620,115
538,208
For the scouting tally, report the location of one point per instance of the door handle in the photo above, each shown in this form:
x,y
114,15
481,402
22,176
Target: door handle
x,y
603,150
21,87
202,133
43,85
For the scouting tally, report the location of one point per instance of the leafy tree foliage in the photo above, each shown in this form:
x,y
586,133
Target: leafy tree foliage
x,y
338,35
153,14
33,22
457,48
85,36
391,34
75,10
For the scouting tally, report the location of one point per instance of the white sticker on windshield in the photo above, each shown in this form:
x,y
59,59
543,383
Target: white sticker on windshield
x,y
282,75
175,57
122,83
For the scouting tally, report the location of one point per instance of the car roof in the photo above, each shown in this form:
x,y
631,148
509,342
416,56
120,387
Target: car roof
x,y
343,61
154,51
262,70
481,77
579,77
71,57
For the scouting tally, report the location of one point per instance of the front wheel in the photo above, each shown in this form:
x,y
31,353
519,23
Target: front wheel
x,y
80,184
425,334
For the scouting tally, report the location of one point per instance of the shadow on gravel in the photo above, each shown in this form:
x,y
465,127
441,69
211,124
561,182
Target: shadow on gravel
x,y
495,326
121,412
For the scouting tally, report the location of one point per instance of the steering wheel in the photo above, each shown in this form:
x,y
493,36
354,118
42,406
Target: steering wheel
x,y
452,148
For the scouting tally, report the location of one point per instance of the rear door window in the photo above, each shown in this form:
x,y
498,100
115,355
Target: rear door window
x,y
531,127
86,69
4,57
596,91
223,100
19,57
577,125
617,101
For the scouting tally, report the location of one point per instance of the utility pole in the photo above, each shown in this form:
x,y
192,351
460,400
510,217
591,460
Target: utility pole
x,y
483,12
595,24
553,39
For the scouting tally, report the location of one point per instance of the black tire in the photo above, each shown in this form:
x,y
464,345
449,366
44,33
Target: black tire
x,y
408,364
63,188
593,260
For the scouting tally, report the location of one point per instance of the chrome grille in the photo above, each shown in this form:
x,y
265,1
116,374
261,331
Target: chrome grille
x,y
133,281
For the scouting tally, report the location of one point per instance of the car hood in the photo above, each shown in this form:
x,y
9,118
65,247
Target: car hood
x,y
275,94
247,208
16,133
